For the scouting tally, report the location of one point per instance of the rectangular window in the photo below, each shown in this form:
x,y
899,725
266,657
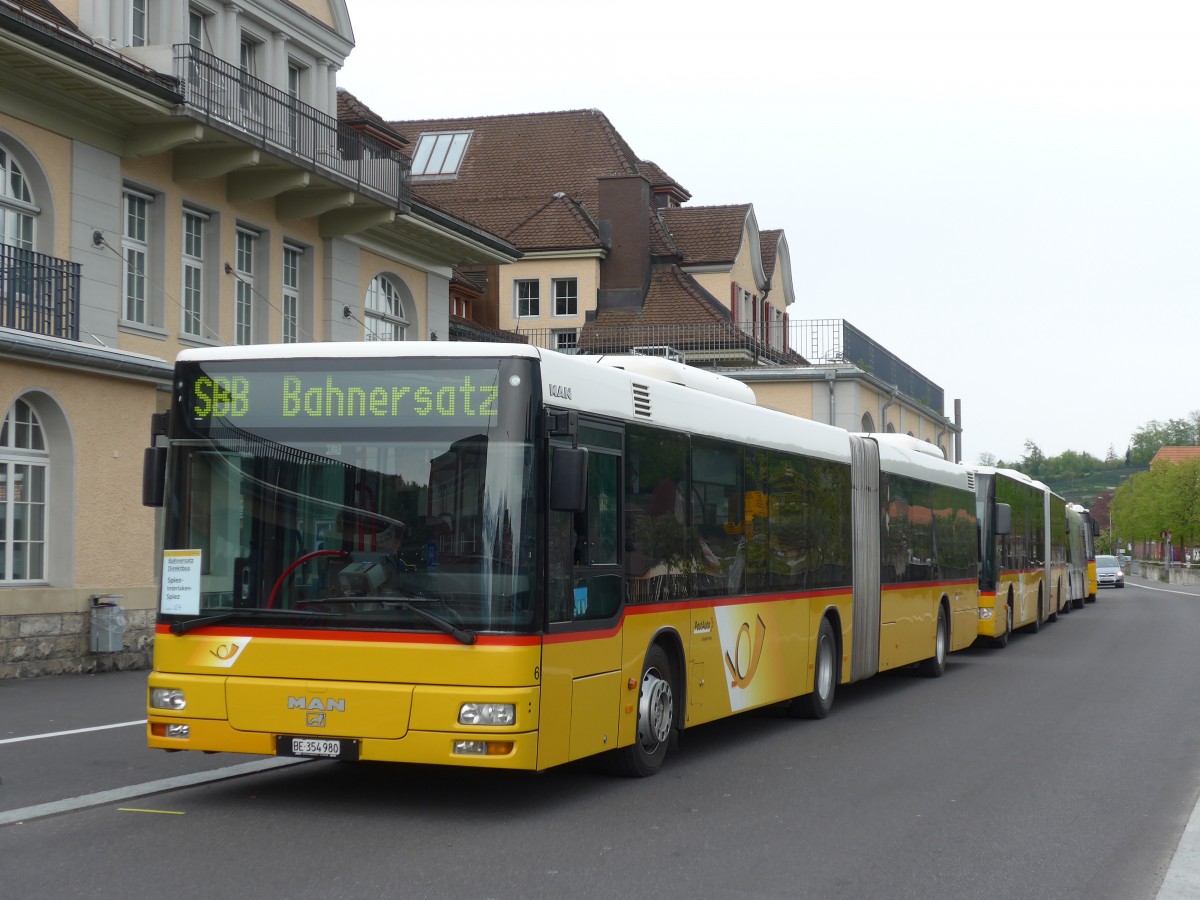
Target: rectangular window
x,y
243,320
291,294
566,297
193,272
295,92
528,298
196,29
23,505
566,340
139,23
135,251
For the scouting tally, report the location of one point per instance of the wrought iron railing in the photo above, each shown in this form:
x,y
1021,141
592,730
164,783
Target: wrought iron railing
x,y
226,96
811,342
39,293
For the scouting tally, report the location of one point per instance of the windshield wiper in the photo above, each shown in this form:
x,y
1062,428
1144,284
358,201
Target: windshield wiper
x,y
188,624
442,624
462,635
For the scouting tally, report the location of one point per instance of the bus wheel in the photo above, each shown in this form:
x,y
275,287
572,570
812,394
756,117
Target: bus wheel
x,y
1002,641
655,718
935,666
825,676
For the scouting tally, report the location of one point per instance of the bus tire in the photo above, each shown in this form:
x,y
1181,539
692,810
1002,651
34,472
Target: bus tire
x,y
655,718
1036,625
1002,641
825,677
935,666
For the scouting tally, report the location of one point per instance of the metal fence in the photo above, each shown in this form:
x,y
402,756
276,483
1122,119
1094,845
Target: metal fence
x,y
224,94
39,293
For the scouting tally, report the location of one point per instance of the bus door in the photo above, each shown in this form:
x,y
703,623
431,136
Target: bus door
x,y
581,657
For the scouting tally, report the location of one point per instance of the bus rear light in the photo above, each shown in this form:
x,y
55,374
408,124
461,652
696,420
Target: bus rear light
x,y
986,612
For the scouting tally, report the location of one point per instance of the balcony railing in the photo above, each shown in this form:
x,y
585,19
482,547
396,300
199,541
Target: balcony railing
x,y
38,293
831,341
807,343
226,96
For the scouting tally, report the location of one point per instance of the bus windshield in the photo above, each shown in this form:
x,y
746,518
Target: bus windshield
x,y
366,499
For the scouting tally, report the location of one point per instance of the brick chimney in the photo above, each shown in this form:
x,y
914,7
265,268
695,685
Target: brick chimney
x,y
625,215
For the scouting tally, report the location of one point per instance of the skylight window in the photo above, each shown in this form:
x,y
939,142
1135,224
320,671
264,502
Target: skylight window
x,y
440,153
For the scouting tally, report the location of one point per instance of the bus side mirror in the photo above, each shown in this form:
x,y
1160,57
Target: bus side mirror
x,y
154,476
1003,519
568,479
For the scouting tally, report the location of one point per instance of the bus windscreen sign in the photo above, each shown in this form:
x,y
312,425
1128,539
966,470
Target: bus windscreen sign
x,y
343,398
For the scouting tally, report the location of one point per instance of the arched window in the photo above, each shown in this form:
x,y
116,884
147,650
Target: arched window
x,y
24,480
17,209
868,424
891,429
386,318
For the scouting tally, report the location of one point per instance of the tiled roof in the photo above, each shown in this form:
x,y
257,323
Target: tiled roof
x,y
353,111
47,11
660,179
514,164
560,224
661,243
708,235
1175,454
475,282
769,241
674,297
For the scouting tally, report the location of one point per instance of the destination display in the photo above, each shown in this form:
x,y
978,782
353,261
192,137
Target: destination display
x,y
342,398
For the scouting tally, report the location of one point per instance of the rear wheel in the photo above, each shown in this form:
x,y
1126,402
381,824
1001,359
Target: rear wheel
x,y
825,677
935,666
655,718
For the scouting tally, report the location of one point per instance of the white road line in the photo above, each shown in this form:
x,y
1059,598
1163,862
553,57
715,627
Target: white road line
x,y
8,817
1182,881
1165,590
50,734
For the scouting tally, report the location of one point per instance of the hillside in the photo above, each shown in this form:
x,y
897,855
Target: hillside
x,y
1083,489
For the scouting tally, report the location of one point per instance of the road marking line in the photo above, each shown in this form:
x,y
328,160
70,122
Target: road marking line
x,y
8,817
160,812
50,734
1165,590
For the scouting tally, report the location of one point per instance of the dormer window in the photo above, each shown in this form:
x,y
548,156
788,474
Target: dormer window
x,y
440,153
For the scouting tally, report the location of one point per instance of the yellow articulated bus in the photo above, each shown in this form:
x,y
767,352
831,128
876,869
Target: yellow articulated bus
x,y
493,555
1023,553
1082,554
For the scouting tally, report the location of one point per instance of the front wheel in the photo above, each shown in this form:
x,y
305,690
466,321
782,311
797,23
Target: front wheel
x,y
935,666
825,676
655,718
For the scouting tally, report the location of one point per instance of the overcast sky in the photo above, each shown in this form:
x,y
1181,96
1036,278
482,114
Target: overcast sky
x,y
1006,195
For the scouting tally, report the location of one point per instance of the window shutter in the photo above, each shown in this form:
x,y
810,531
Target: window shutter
x,y
733,302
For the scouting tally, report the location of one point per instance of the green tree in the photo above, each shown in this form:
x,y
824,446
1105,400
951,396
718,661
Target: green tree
x,y
1031,462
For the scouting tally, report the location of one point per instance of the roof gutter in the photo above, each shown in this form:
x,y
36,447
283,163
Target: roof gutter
x,y
79,48
66,354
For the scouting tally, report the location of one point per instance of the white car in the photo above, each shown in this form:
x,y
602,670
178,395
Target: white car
x,y
1109,572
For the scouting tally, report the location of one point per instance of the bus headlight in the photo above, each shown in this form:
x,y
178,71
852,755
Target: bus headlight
x,y
487,714
167,698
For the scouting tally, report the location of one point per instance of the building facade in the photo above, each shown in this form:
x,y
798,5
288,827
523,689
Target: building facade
x,y
175,174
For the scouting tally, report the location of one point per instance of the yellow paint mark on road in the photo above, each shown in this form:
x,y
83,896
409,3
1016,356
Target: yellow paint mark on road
x,y
161,812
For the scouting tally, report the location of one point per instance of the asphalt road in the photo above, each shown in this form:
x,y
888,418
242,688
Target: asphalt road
x,y
1066,765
